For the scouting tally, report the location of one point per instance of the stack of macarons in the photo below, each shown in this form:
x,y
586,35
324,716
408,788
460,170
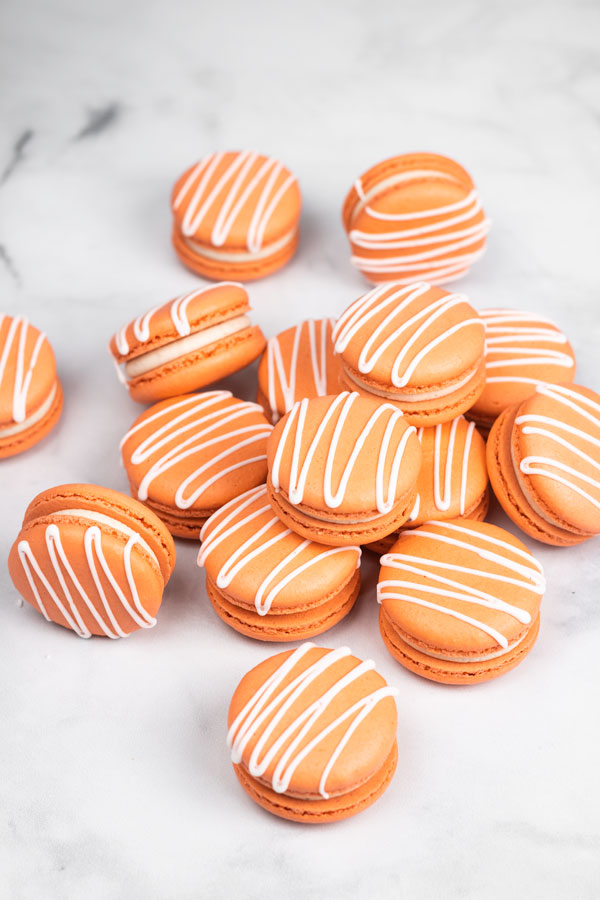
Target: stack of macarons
x,y
368,430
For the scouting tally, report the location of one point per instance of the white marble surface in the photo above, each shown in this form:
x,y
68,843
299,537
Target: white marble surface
x,y
114,777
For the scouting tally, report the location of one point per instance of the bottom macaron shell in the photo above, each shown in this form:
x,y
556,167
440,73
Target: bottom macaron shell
x,y
288,626
218,270
184,526
320,811
509,492
339,534
18,443
426,413
199,369
449,672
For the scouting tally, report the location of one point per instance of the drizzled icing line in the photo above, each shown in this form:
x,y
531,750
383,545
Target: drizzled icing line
x,y
197,423
507,330
557,432
218,529
298,475
67,602
204,195
177,311
17,336
269,704
399,301
276,368
531,577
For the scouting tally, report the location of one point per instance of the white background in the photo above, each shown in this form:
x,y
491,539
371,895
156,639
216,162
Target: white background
x,y
114,777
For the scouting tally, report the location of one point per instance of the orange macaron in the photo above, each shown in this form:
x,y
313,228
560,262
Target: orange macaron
x,y
92,560
416,216
343,469
235,215
189,342
187,456
312,734
31,396
297,363
522,350
543,457
267,582
453,481
419,347
459,601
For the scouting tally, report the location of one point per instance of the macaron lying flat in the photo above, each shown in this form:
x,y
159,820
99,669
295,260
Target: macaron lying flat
x,y
31,396
312,734
267,582
543,457
188,343
522,351
187,456
419,347
235,215
92,560
416,216
459,601
297,363
453,481
343,469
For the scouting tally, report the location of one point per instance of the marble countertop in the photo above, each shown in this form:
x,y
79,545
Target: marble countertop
x,y
115,780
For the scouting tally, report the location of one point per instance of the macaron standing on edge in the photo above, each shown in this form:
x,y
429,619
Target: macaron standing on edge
x,y
92,560
188,343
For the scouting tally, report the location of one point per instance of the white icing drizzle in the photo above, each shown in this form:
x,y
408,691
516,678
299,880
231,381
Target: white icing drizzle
x,y
205,192
17,336
218,529
431,245
269,704
342,403
558,432
431,583
177,311
191,432
399,301
509,336
71,600
276,368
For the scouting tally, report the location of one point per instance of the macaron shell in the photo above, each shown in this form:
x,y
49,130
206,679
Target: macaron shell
x,y
368,746
199,369
320,811
217,270
446,671
26,355
13,444
111,503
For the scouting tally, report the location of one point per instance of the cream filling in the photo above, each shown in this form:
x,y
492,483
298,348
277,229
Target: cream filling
x,y
100,519
240,255
471,657
145,363
35,417
412,398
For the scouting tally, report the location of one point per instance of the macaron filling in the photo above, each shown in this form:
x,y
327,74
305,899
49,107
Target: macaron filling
x,y
240,255
422,396
33,419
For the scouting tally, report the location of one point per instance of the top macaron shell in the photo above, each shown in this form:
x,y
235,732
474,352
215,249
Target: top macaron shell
x,y
364,753
27,370
236,200
522,350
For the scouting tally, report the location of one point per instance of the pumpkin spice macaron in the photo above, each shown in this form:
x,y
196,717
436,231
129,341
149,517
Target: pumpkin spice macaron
x,y
187,456
267,582
416,216
419,347
31,396
92,560
459,601
312,734
453,481
522,350
188,343
235,215
543,457
297,363
343,469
